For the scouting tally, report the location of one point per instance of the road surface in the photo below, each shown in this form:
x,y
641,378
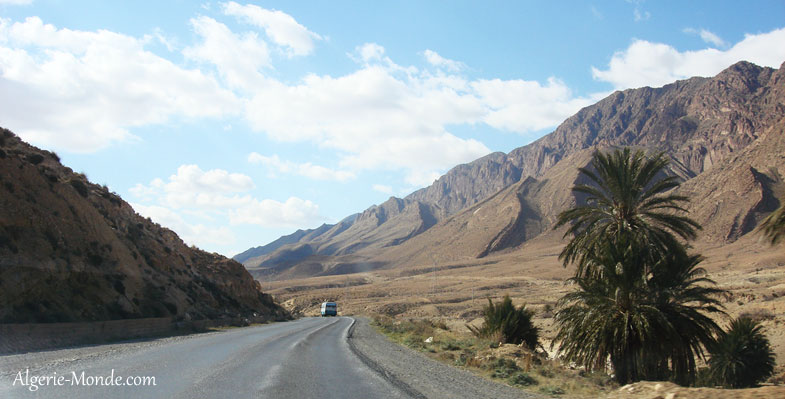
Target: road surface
x,y
306,358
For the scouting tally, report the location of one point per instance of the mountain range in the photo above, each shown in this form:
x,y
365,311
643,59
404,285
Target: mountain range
x,y
724,136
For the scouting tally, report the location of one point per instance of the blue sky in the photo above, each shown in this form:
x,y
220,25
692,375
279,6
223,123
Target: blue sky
x,y
234,123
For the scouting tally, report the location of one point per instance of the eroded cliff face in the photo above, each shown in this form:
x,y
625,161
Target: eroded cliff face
x,y
709,127
699,122
71,250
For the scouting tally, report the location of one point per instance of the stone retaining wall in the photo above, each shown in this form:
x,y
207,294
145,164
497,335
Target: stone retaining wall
x,y
17,338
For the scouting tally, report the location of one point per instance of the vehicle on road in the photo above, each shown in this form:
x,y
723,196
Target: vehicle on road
x,y
329,309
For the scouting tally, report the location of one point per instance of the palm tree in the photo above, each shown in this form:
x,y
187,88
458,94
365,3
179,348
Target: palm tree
x,y
641,299
513,324
648,326
679,289
742,357
774,225
625,198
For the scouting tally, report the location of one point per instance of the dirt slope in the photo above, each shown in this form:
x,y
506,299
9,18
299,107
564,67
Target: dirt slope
x,y
71,250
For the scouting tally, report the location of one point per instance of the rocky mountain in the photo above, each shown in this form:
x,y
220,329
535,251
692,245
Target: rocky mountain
x,y
71,250
284,240
723,135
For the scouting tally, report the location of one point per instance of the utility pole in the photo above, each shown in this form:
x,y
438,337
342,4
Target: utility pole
x,y
435,281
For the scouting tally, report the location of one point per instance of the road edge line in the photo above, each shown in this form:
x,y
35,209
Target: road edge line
x,y
373,365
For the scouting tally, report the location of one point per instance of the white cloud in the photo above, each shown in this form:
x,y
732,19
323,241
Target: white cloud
x,y
294,212
193,234
645,63
168,42
422,158
190,178
192,187
711,38
307,169
369,52
147,192
238,58
219,195
16,2
280,27
639,15
377,118
81,91
421,178
524,106
707,36
438,61
390,117
383,188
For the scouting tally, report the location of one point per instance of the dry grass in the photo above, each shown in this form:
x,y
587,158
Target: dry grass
x,y
509,364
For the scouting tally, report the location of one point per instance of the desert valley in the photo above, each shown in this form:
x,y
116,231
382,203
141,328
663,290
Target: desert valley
x,y
627,244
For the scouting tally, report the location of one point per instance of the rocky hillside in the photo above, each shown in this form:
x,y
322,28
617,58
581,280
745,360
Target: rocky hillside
x,y
723,134
71,250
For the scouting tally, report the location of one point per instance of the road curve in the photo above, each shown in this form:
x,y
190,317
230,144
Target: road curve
x,y
306,358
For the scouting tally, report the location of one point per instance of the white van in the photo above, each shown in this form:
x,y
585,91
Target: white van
x,y
329,309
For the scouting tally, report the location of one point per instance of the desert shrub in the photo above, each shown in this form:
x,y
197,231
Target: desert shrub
x,y
514,324
547,311
757,315
80,187
171,307
742,356
51,177
494,339
440,324
503,368
95,259
546,372
414,342
466,358
422,328
551,390
454,345
5,241
51,237
35,159
118,284
522,379
598,378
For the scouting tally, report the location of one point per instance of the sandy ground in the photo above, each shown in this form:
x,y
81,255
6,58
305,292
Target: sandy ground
x,y
667,390
751,271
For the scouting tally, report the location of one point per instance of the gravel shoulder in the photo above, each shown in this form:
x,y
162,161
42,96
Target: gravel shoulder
x,y
418,375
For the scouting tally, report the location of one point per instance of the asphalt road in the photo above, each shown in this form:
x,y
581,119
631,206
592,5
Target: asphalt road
x,y
306,358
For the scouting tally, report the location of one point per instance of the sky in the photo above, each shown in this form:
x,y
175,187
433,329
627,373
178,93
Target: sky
x,y
234,123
